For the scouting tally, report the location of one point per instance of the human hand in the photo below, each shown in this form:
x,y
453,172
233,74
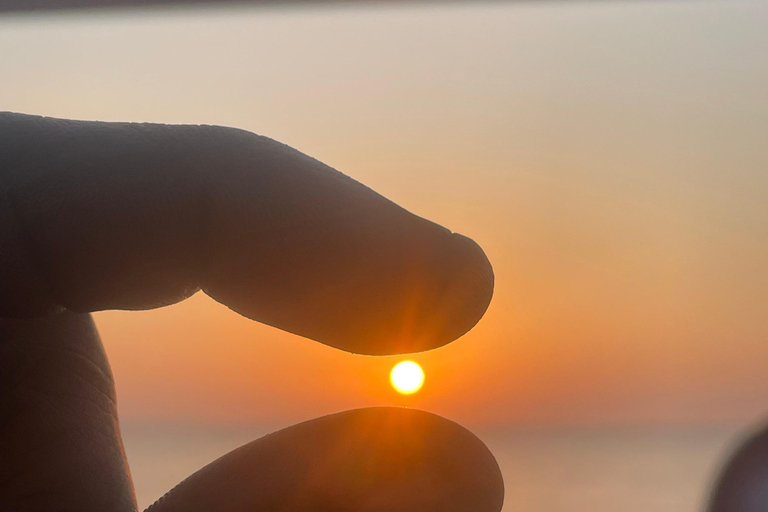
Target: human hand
x,y
100,216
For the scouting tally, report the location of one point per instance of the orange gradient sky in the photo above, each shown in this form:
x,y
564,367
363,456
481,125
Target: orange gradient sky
x,y
610,157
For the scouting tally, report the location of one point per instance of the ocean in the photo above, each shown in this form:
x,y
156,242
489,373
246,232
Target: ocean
x,y
545,470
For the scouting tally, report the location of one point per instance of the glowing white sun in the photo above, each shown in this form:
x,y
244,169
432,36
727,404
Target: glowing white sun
x,y
407,377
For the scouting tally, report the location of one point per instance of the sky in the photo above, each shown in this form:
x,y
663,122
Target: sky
x,y
610,157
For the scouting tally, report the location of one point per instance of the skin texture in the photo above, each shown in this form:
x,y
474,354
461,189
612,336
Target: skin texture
x,y
372,460
107,215
154,213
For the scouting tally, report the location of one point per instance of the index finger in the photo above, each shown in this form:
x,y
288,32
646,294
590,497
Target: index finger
x,y
131,216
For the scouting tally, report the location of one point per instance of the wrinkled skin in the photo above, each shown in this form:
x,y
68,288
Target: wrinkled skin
x,y
97,216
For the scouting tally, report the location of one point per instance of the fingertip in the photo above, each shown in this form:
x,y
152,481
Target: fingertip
x,y
471,286
332,260
366,460
450,297
447,297
466,474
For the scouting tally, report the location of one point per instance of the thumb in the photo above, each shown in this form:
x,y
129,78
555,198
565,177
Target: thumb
x,y
367,460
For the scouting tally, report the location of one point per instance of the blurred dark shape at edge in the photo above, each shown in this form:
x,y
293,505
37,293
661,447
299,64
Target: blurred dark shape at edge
x,y
20,6
742,485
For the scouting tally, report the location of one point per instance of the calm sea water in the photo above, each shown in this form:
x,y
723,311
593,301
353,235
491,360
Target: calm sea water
x,y
547,470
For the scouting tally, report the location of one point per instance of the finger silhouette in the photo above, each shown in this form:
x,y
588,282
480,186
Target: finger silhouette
x,y
116,215
367,460
743,484
60,445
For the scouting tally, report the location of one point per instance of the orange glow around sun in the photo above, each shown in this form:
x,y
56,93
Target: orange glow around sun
x,y
407,377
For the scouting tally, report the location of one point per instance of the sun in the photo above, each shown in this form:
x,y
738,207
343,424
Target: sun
x,y
407,377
